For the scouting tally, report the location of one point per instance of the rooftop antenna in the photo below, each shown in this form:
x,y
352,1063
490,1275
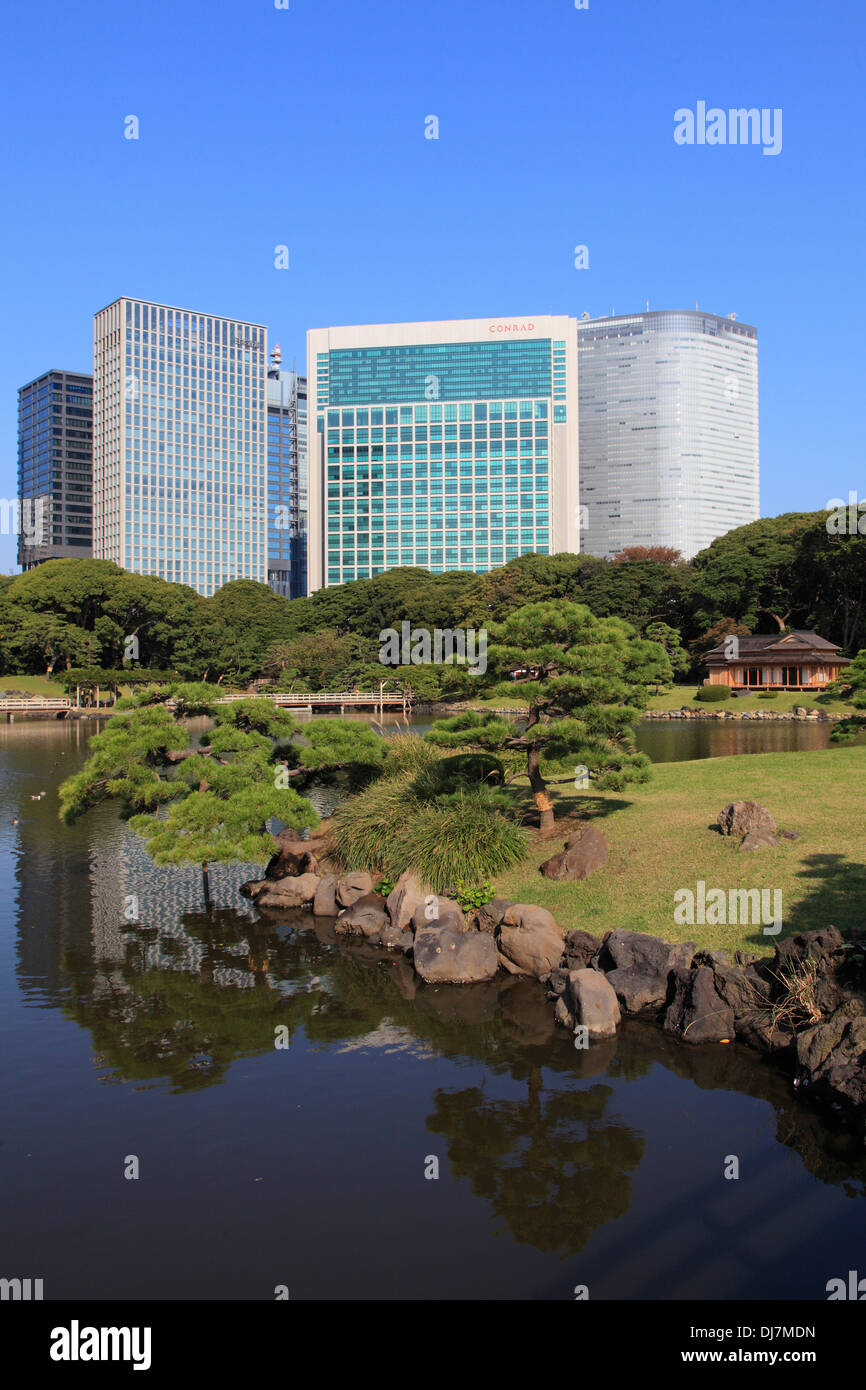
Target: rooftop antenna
x,y
647,306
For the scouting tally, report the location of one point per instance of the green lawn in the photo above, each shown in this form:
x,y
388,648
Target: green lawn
x,y
784,701
37,685
660,841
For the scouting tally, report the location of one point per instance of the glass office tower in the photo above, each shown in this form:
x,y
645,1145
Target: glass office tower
x,y
287,480
448,445
55,468
179,444
668,429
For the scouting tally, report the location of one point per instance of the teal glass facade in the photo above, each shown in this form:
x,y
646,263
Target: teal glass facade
x,y
439,371
437,455
444,485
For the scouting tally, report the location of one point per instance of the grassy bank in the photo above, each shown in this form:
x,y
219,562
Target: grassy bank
x,y
783,703
685,695
36,685
660,840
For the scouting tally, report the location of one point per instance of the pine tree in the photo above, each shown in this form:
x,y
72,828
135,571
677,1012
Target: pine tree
x,y
592,686
212,803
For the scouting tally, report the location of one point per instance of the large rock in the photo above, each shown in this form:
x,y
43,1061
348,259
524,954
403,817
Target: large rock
x,y
638,967
393,937
535,949
580,949
325,901
353,886
288,892
761,838
742,817
407,895
529,916
832,1056
295,856
696,1014
590,1000
444,955
585,851
491,914
445,911
365,917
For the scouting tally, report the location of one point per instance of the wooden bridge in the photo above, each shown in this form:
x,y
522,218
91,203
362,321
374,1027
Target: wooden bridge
x,y
37,704
380,700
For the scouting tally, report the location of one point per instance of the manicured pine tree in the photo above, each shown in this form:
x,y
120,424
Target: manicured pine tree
x,y
212,803
592,686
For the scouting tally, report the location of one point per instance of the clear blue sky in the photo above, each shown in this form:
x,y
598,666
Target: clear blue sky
x,y
305,127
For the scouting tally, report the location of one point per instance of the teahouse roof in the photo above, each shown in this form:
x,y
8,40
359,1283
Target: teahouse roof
x,y
782,645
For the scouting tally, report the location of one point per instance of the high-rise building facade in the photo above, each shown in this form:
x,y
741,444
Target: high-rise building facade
x,y
668,406
448,445
179,444
55,468
287,480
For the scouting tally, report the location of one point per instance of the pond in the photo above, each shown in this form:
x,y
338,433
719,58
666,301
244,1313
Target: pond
x,y
313,1165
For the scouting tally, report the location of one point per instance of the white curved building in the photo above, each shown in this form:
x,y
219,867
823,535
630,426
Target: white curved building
x,y
668,421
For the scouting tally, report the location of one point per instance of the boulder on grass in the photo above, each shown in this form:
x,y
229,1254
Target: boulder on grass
x,y
585,851
365,917
353,886
325,901
742,817
407,895
696,1014
638,967
590,1000
444,955
534,949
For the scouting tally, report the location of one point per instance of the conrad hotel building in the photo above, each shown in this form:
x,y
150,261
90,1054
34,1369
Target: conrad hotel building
x,y
179,444
447,445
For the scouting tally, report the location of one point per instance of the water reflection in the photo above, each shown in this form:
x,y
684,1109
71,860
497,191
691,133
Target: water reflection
x,y
553,1143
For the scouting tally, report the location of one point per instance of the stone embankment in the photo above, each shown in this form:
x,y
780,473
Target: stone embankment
x,y
805,1005
798,715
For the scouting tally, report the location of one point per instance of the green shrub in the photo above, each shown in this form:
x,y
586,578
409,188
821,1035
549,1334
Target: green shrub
x,y
710,694
408,754
461,837
769,695
367,826
443,776
471,896
468,835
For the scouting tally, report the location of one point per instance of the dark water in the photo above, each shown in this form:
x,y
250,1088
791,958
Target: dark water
x,y
305,1166
682,740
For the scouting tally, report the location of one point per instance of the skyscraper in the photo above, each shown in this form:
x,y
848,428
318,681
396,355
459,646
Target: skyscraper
x,y
55,465
668,405
449,445
287,480
179,444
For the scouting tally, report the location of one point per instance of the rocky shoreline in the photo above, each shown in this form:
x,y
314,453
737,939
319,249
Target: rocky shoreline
x,y
800,714
805,1005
